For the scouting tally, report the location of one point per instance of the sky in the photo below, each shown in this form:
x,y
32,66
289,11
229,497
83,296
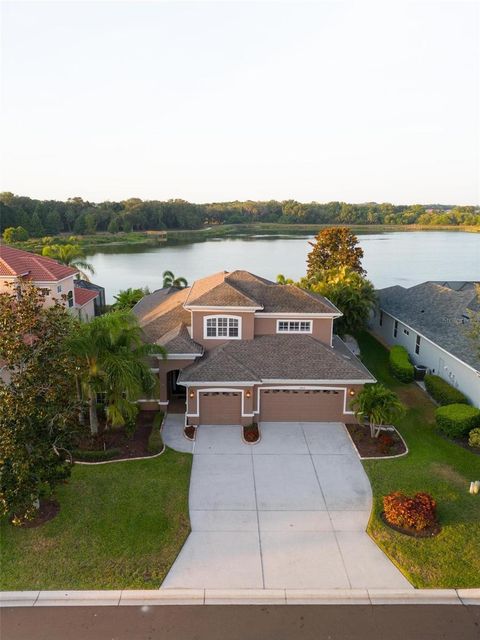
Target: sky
x,y
216,101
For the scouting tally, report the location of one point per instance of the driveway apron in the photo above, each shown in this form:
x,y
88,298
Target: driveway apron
x,y
287,513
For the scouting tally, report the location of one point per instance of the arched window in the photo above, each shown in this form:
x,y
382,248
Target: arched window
x,y
215,327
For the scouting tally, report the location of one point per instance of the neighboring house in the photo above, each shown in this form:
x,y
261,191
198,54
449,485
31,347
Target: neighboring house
x,y
56,279
431,320
243,349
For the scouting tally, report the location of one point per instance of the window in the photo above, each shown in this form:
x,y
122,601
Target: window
x,y
294,326
221,327
406,332
395,329
59,288
380,321
417,345
70,298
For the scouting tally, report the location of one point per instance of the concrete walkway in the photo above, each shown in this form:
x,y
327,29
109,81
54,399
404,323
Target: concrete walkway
x,y
287,513
172,433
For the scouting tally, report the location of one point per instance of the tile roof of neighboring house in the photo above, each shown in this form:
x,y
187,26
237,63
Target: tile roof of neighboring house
x,y
15,262
437,311
82,296
277,357
244,289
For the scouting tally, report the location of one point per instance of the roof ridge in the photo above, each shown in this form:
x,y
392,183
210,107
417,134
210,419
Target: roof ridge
x,y
242,293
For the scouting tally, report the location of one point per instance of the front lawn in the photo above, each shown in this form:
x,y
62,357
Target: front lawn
x,y
434,465
120,526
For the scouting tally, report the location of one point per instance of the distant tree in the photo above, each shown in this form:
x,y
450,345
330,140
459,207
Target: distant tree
x,y
70,255
37,402
379,405
281,279
37,229
53,223
128,298
334,248
12,234
113,226
350,292
170,280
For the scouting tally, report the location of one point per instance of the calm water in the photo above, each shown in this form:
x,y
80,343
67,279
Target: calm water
x,y
402,257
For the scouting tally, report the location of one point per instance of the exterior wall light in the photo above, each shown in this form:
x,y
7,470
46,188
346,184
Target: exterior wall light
x,y
191,394
248,394
351,392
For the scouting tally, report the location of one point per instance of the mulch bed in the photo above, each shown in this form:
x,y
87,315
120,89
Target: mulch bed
x,y
251,433
135,446
369,447
47,511
430,532
190,432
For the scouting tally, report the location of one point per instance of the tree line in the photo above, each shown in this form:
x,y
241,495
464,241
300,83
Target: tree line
x,y
80,217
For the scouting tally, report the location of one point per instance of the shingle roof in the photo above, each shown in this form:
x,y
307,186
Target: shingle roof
x,y
438,312
277,357
178,340
16,262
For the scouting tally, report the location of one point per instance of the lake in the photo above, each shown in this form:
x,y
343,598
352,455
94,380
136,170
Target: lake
x,y
400,257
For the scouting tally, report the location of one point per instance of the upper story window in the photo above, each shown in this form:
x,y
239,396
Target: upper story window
x,y
59,288
70,298
395,329
222,327
294,326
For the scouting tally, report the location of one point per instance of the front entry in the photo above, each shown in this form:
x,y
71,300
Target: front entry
x,y
292,405
176,393
218,407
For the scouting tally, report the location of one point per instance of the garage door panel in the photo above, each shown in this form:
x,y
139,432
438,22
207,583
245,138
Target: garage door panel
x,y
220,407
285,405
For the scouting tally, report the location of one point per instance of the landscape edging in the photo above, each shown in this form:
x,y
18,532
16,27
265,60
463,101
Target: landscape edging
x,y
154,597
399,455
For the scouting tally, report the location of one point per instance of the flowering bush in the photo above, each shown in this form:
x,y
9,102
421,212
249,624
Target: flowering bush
x,y
474,437
417,512
386,442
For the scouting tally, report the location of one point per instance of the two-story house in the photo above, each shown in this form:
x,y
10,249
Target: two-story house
x,y
58,281
243,349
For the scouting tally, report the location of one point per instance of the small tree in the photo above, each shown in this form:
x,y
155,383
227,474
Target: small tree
x,y
71,255
15,234
38,405
170,280
128,298
281,279
379,405
333,248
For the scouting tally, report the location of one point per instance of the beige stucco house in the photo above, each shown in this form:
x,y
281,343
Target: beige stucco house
x,y
244,349
57,280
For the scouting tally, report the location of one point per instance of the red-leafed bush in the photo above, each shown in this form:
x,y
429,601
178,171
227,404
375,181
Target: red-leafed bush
x,y
417,512
386,442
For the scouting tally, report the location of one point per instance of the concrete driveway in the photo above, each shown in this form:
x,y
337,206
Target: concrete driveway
x,y
289,512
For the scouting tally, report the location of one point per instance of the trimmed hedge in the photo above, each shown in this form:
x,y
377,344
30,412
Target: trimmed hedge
x,y
155,441
456,420
400,364
443,392
95,456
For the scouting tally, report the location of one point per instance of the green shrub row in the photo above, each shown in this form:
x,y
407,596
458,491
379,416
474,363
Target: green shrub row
x,y
400,364
456,420
96,456
155,441
443,392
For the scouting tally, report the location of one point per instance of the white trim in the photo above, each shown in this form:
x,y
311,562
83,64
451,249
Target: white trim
x,y
222,316
306,388
220,390
49,282
314,382
278,314
244,383
180,356
226,309
290,320
449,353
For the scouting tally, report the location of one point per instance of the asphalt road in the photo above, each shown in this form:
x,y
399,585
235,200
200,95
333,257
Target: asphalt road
x,y
325,622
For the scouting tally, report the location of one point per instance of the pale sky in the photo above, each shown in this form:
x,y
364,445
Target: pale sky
x,y
212,101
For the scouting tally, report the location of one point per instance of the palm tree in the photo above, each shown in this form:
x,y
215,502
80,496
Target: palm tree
x,y
379,405
281,279
113,360
128,298
71,255
169,280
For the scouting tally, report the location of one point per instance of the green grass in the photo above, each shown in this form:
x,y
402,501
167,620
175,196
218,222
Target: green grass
x,y
120,526
434,465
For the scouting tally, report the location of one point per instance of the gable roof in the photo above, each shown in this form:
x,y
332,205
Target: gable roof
x,y
277,357
82,296
437,311
18,263
178,341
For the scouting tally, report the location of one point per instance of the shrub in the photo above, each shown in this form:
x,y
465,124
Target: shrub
x,y
456,420
400,364
96,456
155,441
386,442
418,512
474,438
443,392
